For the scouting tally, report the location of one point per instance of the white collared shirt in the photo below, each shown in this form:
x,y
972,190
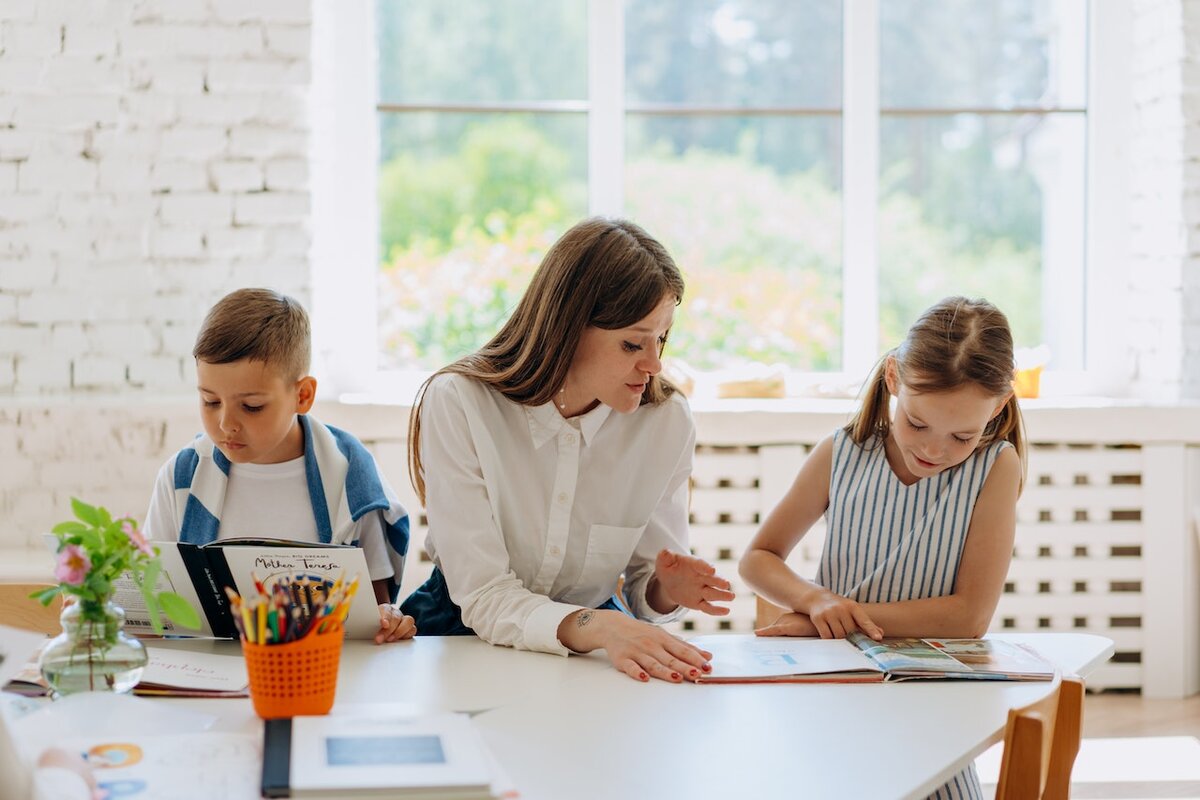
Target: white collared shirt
x,y
533,517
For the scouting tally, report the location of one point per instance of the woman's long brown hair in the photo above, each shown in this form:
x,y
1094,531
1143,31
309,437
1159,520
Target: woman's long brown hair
x,y
604,273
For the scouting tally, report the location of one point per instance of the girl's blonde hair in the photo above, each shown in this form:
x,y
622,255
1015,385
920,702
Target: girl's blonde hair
x,y
604,273
954,343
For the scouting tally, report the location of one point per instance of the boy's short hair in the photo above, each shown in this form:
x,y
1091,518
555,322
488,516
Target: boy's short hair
x,y
259,325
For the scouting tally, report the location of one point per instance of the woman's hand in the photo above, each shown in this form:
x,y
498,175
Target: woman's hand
x,y
640,650
835,616
393,625
691,582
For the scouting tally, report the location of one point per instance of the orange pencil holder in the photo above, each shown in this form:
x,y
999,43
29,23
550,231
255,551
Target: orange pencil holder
x,y
297,678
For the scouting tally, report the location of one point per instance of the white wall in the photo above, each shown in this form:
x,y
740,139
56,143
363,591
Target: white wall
x,y
153,155
1164,156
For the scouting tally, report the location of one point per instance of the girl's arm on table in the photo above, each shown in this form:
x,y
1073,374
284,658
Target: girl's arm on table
x,y
764,566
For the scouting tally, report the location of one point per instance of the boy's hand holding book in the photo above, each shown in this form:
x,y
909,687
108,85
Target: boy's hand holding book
x,y
394,625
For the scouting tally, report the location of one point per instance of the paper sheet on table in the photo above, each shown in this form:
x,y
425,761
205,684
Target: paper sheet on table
x,y
100,715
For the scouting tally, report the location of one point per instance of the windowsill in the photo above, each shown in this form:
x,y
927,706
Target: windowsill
x,y
801,390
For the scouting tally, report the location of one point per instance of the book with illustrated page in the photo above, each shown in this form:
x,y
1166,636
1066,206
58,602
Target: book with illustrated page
x,y
200,573
436,756
745,658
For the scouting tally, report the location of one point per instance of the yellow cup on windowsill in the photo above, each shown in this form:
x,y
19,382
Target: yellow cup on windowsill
x,y
1027,382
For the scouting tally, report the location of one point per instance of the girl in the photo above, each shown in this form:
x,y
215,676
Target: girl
x,y
555,459
919,502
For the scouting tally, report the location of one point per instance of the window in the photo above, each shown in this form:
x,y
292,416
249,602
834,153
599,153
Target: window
x,y
821,170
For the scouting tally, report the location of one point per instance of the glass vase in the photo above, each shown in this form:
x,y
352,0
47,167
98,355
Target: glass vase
x,y
93,653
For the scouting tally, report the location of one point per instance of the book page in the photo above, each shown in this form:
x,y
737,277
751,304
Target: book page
x,y
188,766
17,648
183,669
326,561
173,578
740,657
996,657
901,656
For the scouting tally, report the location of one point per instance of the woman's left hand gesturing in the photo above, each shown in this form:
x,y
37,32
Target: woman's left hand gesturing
x,y
691,582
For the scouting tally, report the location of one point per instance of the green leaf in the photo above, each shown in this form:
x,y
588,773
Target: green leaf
x,y
44,596
105,517
150,573
179,611
87,513
70,526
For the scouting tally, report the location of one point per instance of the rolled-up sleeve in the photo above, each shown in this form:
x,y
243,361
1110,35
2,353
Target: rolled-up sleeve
x,y
470,547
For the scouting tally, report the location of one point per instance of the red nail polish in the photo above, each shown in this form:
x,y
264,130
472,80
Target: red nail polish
x,y
707,668
643,676
674,676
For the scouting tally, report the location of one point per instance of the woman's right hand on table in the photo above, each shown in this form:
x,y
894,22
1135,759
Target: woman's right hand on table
x,y
640,650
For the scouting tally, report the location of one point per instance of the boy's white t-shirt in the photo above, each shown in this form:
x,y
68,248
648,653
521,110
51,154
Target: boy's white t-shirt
x,y
265,501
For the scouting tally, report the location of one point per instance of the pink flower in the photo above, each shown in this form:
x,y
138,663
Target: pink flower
x,y
73,565
135,536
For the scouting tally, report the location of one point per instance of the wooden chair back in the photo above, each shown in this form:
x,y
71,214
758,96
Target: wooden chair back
x,y
22,611
1041,741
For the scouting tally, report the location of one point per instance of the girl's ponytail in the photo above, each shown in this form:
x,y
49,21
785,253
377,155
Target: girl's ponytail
x,y
873,417
1009,426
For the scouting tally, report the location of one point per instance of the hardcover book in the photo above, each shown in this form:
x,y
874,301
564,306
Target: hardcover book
x,y
739,658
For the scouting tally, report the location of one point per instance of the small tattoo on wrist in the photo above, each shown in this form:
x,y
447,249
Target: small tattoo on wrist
x,y
584,618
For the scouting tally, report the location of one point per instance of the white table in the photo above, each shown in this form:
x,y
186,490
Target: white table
x,y
603,736
576,728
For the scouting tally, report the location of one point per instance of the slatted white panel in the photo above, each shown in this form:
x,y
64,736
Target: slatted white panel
x,y
1077,560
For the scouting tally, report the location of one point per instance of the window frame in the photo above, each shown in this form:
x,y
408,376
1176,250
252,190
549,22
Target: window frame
x,y
345,259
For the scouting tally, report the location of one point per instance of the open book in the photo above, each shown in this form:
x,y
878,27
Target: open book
x,y
741,658
378,754
169,673
200,574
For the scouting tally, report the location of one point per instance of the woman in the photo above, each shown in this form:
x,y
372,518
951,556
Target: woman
x,y
555,459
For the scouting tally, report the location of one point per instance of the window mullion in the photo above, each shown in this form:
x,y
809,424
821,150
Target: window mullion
x,y
606,98
860,186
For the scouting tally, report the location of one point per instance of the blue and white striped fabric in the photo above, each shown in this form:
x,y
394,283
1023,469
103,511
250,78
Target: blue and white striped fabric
x,y
887,542
344,484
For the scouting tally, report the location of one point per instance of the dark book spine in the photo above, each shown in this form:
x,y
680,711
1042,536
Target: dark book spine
x,y
209,589
277,757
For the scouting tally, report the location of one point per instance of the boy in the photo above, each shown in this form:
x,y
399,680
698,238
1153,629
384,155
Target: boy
x,y
263,467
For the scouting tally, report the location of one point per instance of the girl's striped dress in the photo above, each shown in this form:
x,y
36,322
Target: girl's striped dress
x,y
887,542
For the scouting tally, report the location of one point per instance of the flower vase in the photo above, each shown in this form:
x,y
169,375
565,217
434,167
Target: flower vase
x,y
93,653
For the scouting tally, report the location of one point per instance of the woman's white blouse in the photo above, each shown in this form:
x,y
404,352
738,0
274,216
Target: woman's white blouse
x,y
533,517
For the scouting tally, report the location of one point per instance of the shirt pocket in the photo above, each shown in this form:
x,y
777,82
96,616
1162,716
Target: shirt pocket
x,y
608,551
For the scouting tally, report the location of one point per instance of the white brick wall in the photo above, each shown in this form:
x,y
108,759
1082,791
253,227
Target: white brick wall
x,y
149,152
1164,159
